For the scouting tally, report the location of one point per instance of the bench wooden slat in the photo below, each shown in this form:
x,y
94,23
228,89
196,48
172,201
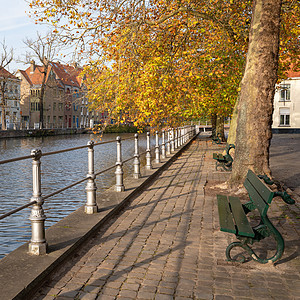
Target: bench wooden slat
x,y
225,216
264,191
240,218
259,202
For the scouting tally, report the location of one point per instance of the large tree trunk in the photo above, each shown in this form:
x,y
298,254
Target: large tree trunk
x,y
233,123
220,127
255,104
214,125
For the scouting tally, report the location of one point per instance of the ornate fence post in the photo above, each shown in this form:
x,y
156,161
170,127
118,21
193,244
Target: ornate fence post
x,y
148,153
157,155
172,141
136,161
176,138
38,244
169,142
163,145
119,187
91,205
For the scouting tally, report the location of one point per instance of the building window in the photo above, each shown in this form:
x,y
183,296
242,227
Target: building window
x,y
284,116
54,105
285,92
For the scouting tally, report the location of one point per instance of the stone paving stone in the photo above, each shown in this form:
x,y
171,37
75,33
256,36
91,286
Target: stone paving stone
x,y
167,245
86,296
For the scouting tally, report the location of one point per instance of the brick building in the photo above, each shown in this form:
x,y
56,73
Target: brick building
x,y
64,102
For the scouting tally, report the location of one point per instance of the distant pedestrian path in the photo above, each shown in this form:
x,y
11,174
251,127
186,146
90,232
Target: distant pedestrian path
x,y
167,245
285,160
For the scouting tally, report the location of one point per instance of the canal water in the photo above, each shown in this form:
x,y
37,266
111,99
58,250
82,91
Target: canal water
x,y
58,171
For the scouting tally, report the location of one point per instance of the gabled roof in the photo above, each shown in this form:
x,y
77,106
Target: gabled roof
x,y
25,76
68,75
65,75
291,74
5,74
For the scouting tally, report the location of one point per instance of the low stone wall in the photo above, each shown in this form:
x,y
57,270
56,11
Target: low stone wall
x,y
40,132
286,130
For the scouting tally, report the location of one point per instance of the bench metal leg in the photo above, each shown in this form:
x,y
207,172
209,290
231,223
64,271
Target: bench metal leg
x,y
223,166
244,244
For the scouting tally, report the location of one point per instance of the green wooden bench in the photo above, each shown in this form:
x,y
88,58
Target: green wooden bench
x,y
217,139
224,161
233,219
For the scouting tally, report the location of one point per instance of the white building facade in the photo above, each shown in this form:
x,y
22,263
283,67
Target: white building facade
x,y
286,114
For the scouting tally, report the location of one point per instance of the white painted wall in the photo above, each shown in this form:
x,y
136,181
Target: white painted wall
x,y
283,106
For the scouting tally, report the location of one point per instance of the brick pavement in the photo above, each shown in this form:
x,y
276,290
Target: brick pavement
x,y
167,245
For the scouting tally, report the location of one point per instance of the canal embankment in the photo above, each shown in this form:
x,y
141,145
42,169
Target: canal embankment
x,y
21,273
40,132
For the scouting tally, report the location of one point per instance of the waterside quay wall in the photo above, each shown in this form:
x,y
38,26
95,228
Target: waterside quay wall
x,y
39,132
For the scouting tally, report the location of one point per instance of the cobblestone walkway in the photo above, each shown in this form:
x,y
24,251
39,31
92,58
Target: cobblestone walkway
x,y
167,245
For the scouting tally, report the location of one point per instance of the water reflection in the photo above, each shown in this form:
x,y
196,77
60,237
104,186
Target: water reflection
x,y
58,171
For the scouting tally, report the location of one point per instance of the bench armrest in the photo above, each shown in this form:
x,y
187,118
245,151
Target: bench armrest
x,y
266,179
285,197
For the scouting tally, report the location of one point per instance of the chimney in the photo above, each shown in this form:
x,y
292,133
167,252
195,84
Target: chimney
x,y
32,66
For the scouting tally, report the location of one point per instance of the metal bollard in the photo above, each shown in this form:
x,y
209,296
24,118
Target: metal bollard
x,y
172,141
91,205
136,161
38,244
148,153
168,142
157,154
163,145
119,187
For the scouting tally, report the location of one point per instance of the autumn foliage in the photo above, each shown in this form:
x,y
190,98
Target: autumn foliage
x,y
162,62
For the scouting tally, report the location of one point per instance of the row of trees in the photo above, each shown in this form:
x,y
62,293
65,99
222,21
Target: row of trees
x,y
162,62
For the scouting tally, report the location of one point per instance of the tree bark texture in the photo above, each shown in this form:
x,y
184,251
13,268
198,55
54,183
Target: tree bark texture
x,y
213,125
255,104
220,127
233,123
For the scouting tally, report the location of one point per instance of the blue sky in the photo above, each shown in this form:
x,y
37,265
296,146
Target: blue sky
x,y
15,26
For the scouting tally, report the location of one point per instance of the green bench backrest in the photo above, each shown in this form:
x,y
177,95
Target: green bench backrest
x,y
260,194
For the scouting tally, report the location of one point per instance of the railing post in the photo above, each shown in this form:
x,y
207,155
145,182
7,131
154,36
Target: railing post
x,y
172,141
91,205
148,153
176,138
169,142
163,145
119,187
136,161
157,155
181,136
38,244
